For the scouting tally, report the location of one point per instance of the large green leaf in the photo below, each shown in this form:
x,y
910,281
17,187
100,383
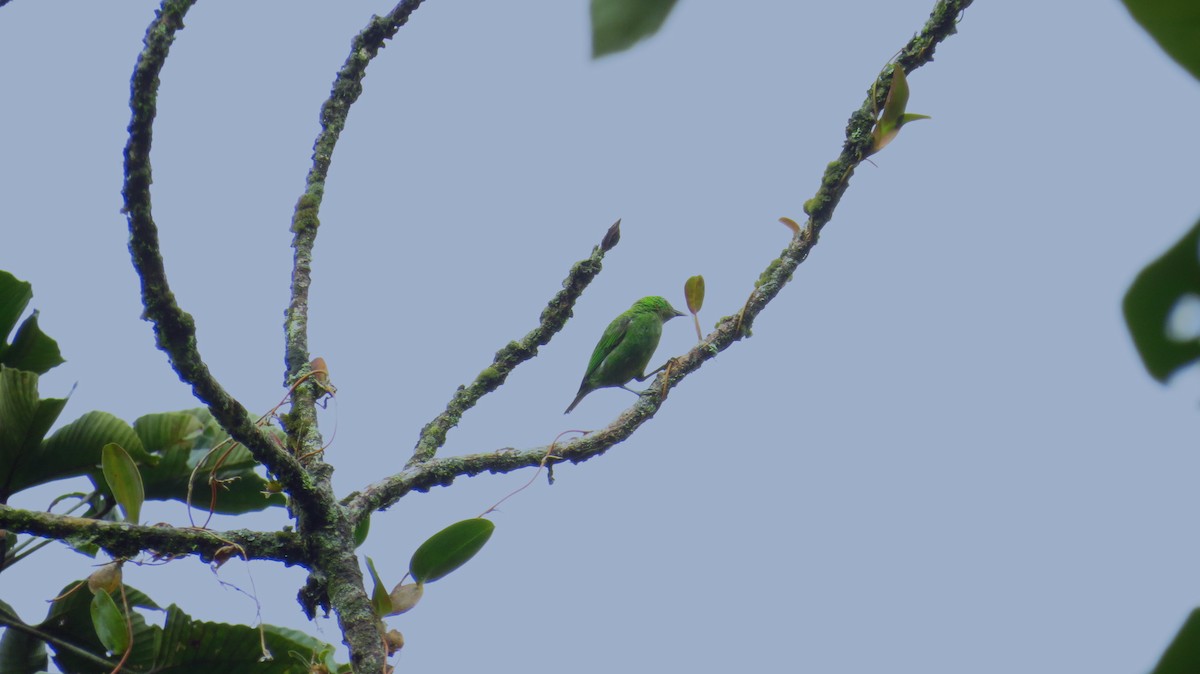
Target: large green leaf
x,y
24,421
20,652
617,25
449,549
193,646
182,645
179,441
1183,655
1153,295
74,450
70,619
1175,25
30,349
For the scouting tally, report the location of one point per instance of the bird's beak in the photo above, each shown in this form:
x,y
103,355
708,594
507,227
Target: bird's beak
x,y
679,313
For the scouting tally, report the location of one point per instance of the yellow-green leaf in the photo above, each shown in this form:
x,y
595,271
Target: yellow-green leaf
x,y
381,602
449,549
123,478
693,290
893,116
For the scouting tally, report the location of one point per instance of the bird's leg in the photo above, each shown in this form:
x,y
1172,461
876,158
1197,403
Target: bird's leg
x,y
631,390
656,371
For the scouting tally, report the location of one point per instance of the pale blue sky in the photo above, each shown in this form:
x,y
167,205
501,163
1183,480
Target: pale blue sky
x,y
937,454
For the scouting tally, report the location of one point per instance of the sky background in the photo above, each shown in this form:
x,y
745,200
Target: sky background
x,y
938,453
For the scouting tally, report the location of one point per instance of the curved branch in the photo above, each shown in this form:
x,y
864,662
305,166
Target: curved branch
x,y
347,87
553,318
442,472
335,579
174,329
121,539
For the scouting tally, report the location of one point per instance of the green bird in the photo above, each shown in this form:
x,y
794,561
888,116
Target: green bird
x,y
626,346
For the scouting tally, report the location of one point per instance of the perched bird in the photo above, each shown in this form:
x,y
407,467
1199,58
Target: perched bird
x,y
626,346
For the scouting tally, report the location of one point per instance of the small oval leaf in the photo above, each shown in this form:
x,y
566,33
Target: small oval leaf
x,y
123,478
693,291
381,603
792,224
109,622
449,549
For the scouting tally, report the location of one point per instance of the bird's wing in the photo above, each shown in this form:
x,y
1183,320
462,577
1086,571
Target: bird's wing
x,y
612,336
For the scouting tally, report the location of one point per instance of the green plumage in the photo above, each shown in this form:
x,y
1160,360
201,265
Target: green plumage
x,y
626,346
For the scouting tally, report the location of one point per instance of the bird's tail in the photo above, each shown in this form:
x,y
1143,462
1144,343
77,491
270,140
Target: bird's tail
x,y
582,393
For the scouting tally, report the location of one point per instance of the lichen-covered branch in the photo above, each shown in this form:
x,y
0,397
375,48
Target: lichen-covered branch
x,y
347,87
552,320
174,329
335,579
124,540
441,472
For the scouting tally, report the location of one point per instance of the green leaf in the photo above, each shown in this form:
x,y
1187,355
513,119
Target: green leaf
x,y
182,645
31,349
109,622
74,450
24,420
361,530
617,25
194,646
14,297
1183,655
449,549
893,116
123,478
1150,299
70,619
693,291
381,601
1175,25
20,652
178,441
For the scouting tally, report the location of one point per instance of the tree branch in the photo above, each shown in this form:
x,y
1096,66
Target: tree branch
x,y
174,329
553,318
347,87
335,579
124,540
441,472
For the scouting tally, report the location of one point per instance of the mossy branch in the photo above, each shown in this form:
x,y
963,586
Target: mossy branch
x,y
174,329
125,540
552,320
335,579
431,473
